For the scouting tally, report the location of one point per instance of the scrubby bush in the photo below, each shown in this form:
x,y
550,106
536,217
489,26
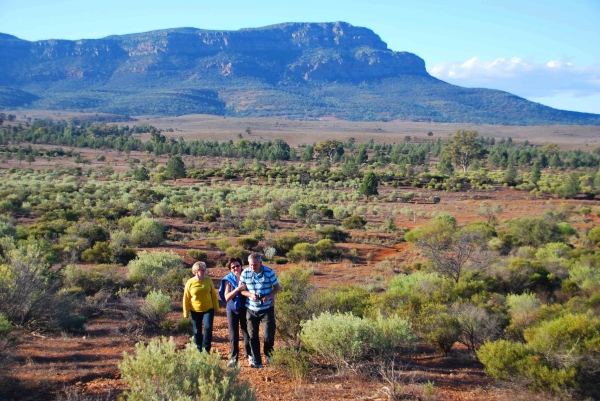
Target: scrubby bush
x,y
302,251
293,304
342,299
332,233
247,242
92,280
197,254
148,266
158,369
292,362
354,222
101,252
236,251
347,340
223,244
477,325
559,354
438,328
533,231
286,242
147,232
156,307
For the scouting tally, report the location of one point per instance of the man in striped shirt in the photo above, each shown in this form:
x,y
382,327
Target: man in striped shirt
x,y
261,287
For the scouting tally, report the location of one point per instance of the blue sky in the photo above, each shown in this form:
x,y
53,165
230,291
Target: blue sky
x,y
546,51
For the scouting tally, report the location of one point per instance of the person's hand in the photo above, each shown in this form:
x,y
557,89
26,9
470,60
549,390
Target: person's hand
x,y
255,297
242,287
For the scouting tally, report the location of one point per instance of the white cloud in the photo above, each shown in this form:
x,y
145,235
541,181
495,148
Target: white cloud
x,y
523,77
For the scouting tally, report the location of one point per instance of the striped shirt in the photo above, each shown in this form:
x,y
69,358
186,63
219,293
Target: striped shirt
x,y
261,284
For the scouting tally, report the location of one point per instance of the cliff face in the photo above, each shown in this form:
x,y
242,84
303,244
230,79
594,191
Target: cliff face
x,y
331,51
293,70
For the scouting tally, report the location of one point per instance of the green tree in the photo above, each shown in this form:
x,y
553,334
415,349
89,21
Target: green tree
x,y
141,174
536,172
175,168
21,155
463,148
30,158
369,184
329,148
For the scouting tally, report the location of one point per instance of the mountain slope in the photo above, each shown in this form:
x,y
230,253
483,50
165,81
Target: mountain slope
x,y
295,70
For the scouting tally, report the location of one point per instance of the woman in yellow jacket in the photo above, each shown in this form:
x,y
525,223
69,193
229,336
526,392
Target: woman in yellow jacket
x,y
200,302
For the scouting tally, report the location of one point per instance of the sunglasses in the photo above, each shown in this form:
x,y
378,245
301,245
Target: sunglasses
x,y
234,266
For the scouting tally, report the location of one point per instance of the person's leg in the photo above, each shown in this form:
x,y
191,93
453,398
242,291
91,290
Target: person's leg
x,y
207,320
269,326
253,327
196,318
233,321
246,337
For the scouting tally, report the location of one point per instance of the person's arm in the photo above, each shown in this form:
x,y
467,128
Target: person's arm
x,y
186,301
215,296
276,289
245,292
230,293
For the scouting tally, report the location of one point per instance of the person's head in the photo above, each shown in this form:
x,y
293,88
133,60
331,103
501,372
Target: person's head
x,y
255,261
199,269
235,264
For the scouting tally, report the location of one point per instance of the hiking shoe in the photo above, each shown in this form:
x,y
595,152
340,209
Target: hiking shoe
x,y
256,365
250,361
232,363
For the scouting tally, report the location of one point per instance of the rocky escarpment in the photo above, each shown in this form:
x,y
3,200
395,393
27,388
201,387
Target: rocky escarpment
x,y
332,51
293,70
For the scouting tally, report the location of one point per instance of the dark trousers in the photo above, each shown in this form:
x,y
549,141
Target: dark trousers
x,y
267,318
237,321
205,319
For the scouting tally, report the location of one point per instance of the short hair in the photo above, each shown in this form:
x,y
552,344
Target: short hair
x,y
255,256
197,266
234,259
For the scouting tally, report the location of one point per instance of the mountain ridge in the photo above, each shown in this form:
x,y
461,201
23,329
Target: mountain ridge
x,y
294,70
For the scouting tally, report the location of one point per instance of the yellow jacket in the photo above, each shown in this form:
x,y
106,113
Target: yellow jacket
x,y
199,296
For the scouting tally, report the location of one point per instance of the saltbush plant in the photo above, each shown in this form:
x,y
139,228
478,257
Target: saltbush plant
x,y
147,232
148,266
159,369
156,307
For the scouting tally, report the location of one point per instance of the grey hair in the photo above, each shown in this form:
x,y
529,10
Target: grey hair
x,y
255,256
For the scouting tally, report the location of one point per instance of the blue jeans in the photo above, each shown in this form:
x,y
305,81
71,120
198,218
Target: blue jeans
x,y
205,319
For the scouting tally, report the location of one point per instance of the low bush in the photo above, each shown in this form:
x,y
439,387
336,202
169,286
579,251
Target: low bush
x,y
292,362
158,369
148,266
92,280
286,242
354,222
101,252
247,242
332,233
197,255
347,340
156,307
303,251
147,232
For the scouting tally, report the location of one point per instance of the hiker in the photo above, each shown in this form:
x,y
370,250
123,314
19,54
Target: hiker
x,y
200,302
230,294
261,286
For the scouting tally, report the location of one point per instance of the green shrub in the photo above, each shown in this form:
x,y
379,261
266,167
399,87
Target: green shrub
x,y
101,252
236,251
184,326
534,231
223,244
326,250
332,233
292,362
286,242
341,339
247,242
342,299
147,232
354,222
197,255
148,266
560,354
158,369
566,229
302,251
594,235
438,327
346,340
156,307
293,304
93,280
